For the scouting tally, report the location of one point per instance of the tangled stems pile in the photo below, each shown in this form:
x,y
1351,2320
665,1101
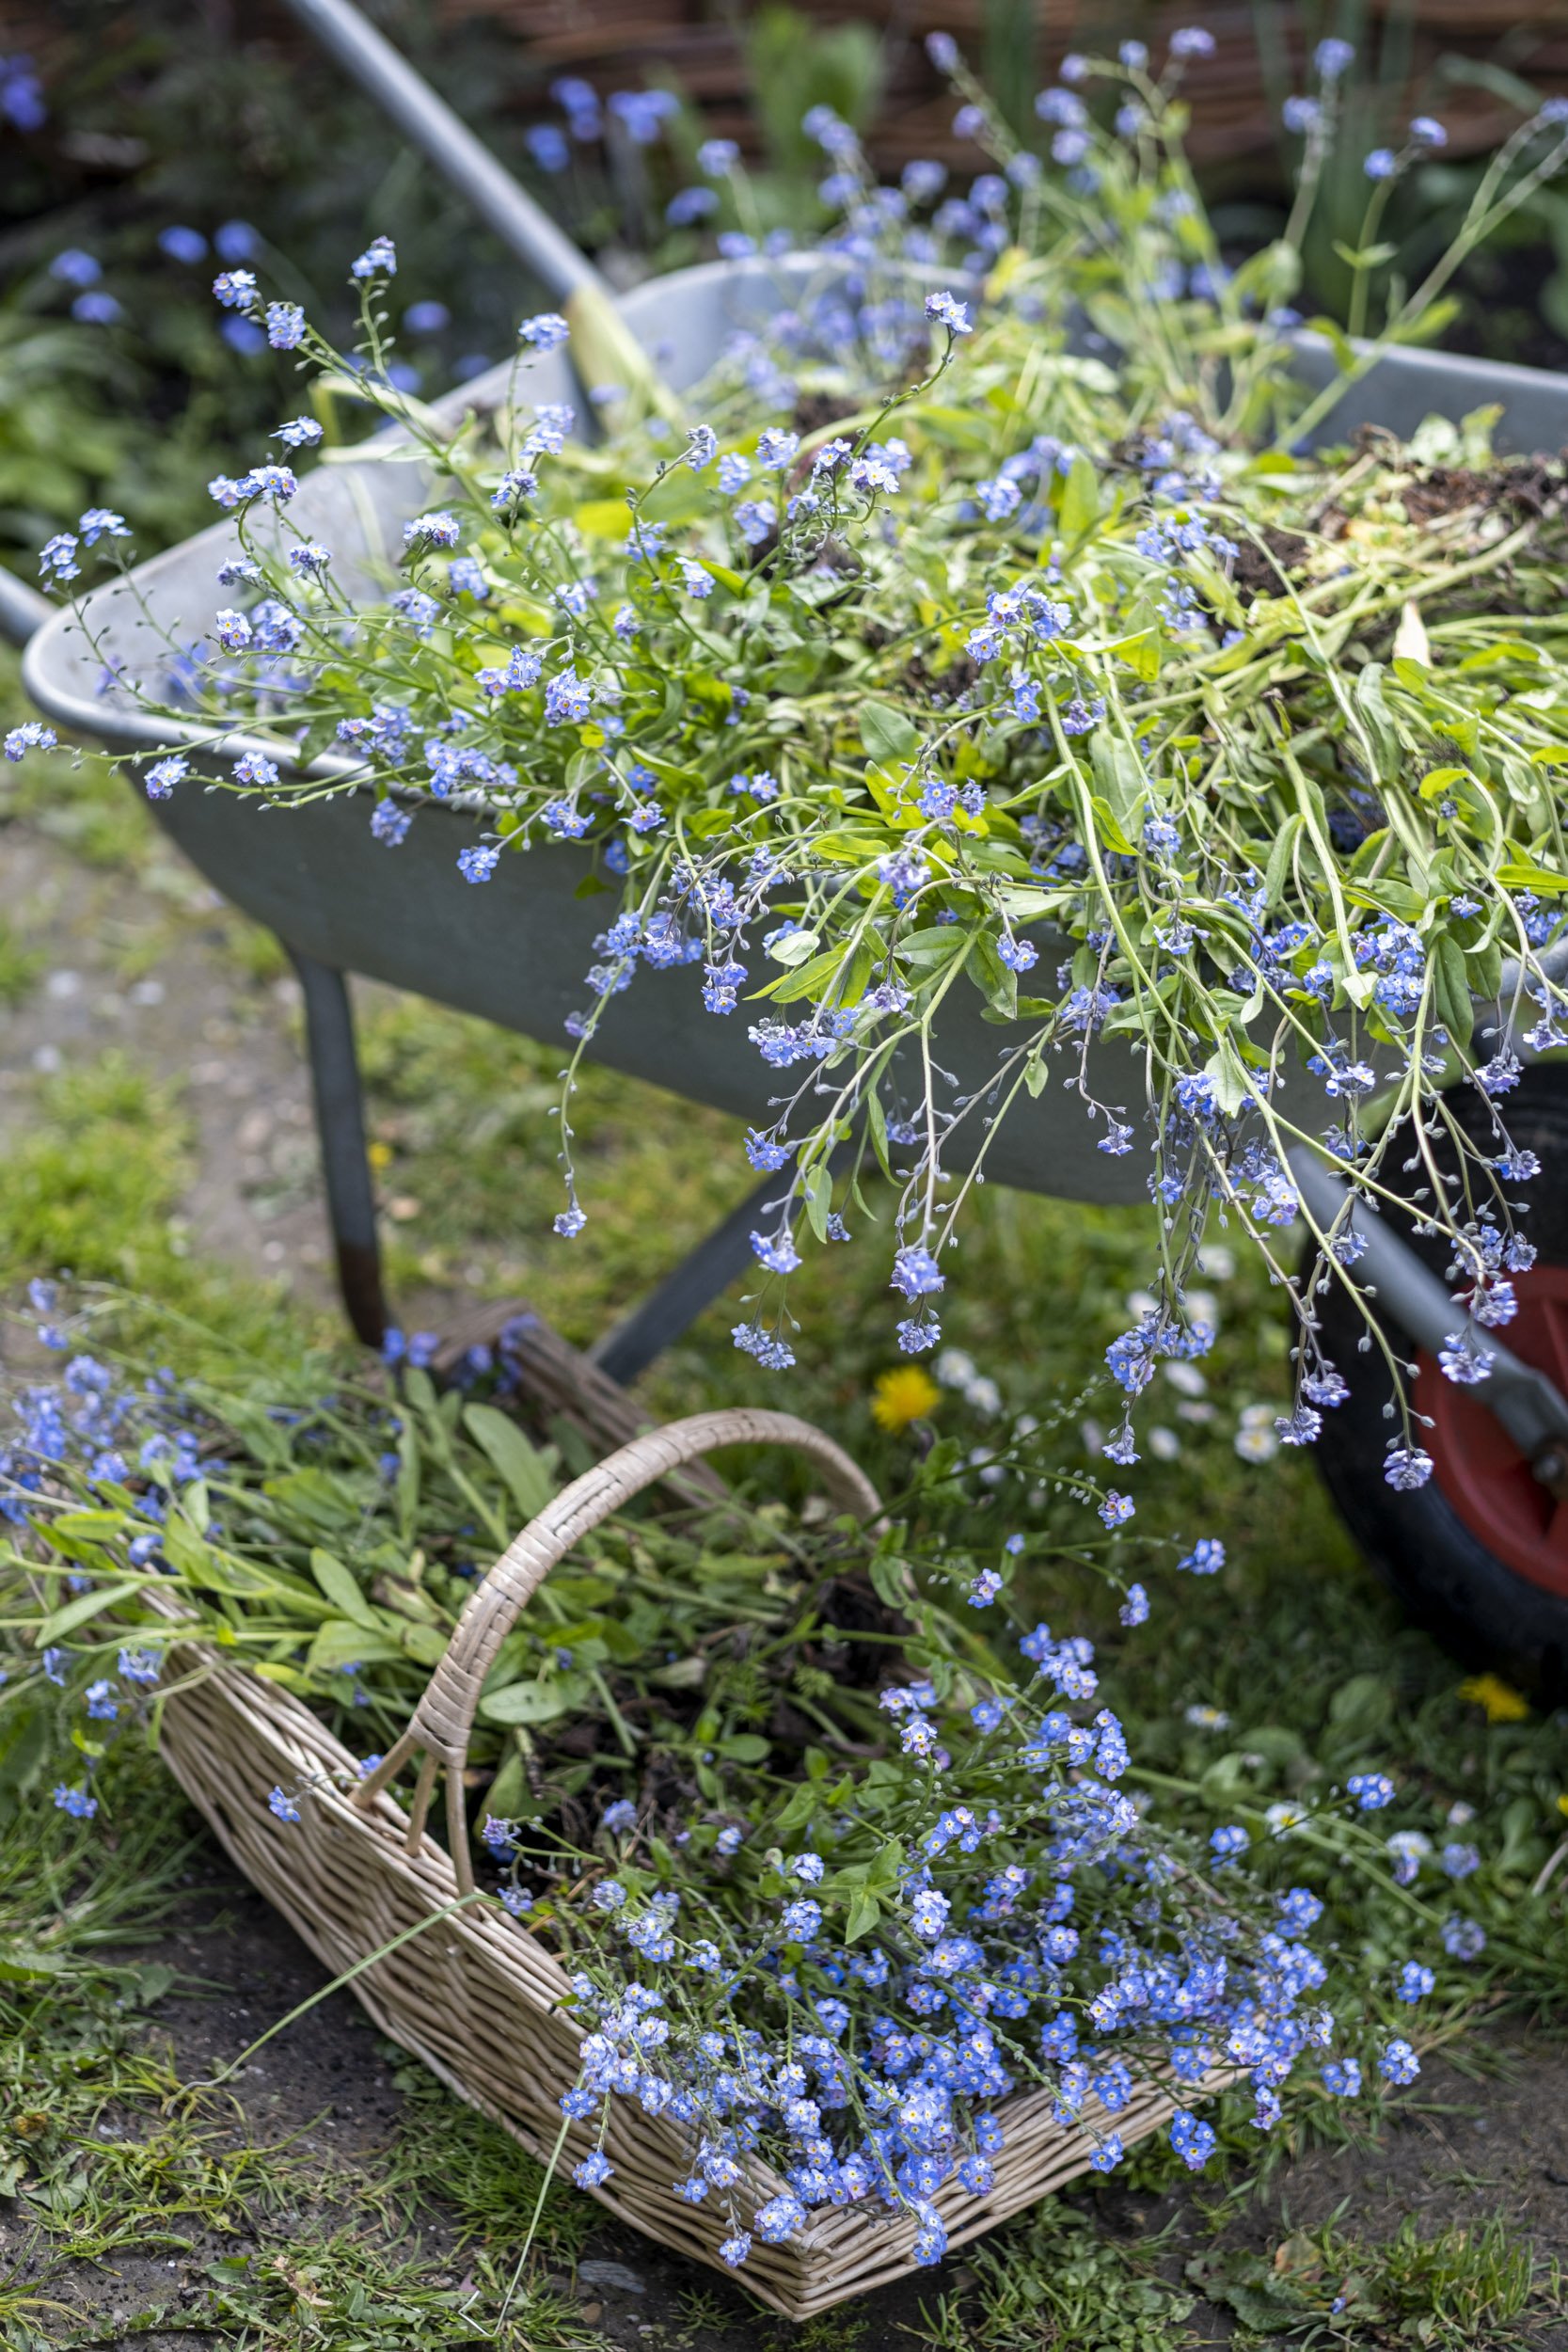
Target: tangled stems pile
x,y
1019,646
835,1841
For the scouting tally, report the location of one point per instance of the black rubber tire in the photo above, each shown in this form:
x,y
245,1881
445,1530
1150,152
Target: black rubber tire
x,y
1482,1610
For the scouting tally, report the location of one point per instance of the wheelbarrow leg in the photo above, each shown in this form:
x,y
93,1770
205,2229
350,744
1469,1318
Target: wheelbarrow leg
x,y
341,1130
695,1284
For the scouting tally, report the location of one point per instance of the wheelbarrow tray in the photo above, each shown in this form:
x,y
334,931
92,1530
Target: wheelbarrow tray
x,y
516,948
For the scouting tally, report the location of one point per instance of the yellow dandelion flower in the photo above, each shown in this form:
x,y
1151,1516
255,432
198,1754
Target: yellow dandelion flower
x,y
905,1394
1502,1703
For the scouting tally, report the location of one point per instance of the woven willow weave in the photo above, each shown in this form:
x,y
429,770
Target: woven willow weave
x,y
473,1994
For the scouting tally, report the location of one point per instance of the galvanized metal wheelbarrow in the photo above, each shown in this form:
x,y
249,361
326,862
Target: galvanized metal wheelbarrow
x,y
515,951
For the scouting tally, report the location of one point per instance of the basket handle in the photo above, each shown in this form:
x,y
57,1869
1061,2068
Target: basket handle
x,y
443,1720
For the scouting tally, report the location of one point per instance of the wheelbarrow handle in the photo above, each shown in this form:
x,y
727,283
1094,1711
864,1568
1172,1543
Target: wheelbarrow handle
x,y
426,119
1529,1405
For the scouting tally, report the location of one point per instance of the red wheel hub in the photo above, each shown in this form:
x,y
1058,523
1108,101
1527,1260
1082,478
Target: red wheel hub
x,y
1481,1470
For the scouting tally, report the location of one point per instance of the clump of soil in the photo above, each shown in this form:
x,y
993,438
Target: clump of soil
x,y
1535,486
1262,567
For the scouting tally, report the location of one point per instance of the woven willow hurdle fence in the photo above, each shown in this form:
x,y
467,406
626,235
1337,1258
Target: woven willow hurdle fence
x,y
475,1996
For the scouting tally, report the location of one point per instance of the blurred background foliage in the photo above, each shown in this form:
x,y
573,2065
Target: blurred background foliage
x,y
145,147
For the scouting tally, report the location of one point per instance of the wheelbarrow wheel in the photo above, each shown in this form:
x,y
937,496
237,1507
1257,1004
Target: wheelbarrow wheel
x,y
1479,1554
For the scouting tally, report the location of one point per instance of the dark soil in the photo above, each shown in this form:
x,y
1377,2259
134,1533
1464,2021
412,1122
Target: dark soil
x,y
1530,487
1265,570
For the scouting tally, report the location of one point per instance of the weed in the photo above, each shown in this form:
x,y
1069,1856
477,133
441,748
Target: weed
x,y
1451,2291
489,2185
1053,2279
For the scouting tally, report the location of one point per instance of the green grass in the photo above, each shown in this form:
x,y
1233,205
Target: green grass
x,y
108,2155
94,1181
20,966
84,806
93,1188
1451,2290
1055,2279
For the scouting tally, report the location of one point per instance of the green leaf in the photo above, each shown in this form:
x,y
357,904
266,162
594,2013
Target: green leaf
x,y
796,1809
1120,775
1080,508
425,1644
677,497
745,1747
876,1119
1280,856
1379,722
538,1702
1107,827
888,1868
890,1580
344,1590
86,1606
602,519
817,1190
339,1643
996,979
24,1739
93,1526
1438,779
1483,967
1339,343
1141,654
961,428
408,1480
935,943
1362,1707
864,1911
313,1496
1270,275
1228,1079
525,1469
1369,257
19,1961
811,979
1453,987
795,947
888,735
1521,874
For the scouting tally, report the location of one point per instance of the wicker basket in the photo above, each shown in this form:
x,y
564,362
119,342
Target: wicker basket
x,y
475,1996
